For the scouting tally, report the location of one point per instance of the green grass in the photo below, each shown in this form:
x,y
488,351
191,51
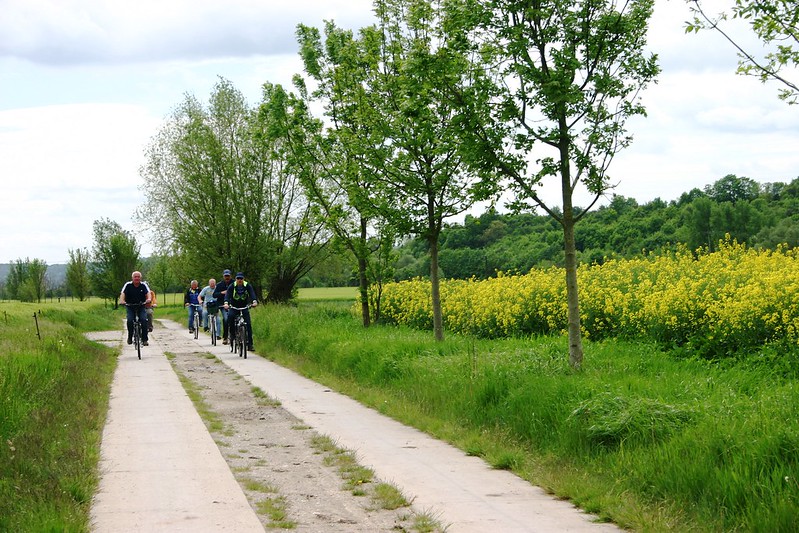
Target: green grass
x,y
328,293
649,441
53,403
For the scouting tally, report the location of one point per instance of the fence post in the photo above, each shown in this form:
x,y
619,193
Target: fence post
x,y
36,319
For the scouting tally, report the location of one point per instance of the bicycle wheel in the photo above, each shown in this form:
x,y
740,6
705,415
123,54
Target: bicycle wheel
x,y
212,328
243,337
196,324
137,336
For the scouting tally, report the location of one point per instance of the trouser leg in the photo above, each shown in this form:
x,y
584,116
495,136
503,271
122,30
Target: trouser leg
x,y
249,327
143,322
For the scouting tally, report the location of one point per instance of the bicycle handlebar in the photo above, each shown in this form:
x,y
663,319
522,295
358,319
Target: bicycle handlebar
x,y
239,308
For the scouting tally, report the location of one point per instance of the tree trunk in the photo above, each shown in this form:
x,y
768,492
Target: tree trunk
x,y
572,295
438,321
280,289
363,281
570,249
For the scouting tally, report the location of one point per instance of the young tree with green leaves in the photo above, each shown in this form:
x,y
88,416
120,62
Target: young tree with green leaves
x,y
389,88
333,177
77,276
564,77
775,23
161,276
115,255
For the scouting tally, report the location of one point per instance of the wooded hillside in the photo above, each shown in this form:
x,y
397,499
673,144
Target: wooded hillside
x,y
761,216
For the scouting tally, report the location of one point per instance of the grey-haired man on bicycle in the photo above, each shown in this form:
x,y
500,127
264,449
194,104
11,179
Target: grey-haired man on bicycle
x,y
135,292
240,295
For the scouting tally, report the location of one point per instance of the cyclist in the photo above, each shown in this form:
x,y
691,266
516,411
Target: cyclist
x,y
240,294
150,307
210,306
219,294
135,292
191,299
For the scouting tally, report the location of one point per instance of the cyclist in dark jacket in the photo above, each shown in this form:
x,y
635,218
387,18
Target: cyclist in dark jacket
x,y
136,292
219,295
240,294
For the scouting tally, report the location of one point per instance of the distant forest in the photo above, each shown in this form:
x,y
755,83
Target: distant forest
x,y
760,215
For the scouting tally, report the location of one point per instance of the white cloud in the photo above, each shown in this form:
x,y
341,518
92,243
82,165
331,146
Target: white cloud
x,y
66,167
81,31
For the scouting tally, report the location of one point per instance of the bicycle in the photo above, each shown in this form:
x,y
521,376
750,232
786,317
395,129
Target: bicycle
x,y
212,309
137,342
196,321
239,342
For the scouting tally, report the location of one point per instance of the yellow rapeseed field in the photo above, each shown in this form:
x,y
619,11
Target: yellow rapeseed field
x,y
731,298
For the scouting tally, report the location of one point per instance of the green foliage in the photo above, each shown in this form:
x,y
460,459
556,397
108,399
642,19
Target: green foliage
x,y
77,276
223,196
622,229
26,280
388,95
606,419
115,255
647,440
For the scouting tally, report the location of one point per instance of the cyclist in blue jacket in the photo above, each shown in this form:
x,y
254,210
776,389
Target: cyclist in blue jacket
x,y
190,299
240,294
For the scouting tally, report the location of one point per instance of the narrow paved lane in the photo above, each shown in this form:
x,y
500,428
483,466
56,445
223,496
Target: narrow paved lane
x,y
160,470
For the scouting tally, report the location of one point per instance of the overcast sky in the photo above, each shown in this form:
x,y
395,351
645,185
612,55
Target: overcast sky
x,y
85,84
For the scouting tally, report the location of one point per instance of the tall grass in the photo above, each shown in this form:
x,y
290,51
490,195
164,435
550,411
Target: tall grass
x,y
53,400
652,442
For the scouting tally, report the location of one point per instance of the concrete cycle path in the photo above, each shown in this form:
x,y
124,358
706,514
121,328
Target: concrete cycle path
x,y
462,491
160,470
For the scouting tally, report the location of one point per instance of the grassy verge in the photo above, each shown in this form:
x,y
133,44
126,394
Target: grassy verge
x,y
648,441
53,401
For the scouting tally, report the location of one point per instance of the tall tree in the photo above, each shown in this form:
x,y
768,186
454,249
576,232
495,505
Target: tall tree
x,y
217,191
401,123
115,255
775,23
332,175
77,276
300,237
566,75
732,189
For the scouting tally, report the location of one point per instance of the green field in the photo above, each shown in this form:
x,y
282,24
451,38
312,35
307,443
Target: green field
x,y
328,293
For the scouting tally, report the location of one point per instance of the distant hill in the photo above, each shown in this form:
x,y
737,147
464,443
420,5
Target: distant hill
x,y
55,273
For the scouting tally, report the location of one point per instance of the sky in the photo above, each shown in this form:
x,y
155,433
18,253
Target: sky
x,y
86,84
